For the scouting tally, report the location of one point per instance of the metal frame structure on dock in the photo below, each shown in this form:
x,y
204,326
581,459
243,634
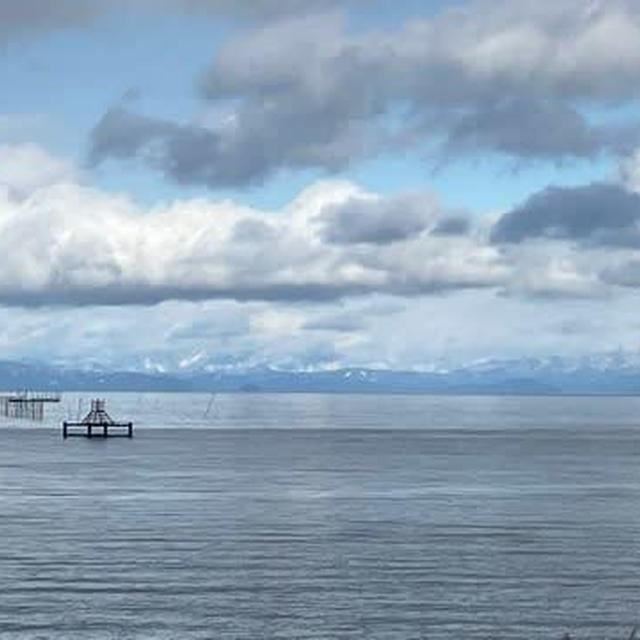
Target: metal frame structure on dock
x,y
96,424
26,405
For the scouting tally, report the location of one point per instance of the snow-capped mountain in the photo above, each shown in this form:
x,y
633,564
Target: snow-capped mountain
x,y
613,373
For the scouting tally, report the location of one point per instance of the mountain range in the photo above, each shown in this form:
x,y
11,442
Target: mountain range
x,y
606,374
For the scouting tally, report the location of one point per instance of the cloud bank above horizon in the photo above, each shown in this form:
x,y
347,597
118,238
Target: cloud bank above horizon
x,y
356,263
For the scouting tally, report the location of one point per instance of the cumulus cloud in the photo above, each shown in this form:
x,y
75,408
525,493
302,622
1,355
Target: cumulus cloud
x,y
304,91
81,246
599,214
572,242
25,168
555,270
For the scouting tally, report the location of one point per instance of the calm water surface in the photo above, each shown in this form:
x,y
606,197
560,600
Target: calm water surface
x,y
295,516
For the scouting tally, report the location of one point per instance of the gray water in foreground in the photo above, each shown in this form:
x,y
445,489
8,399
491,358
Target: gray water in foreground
x,y
312,516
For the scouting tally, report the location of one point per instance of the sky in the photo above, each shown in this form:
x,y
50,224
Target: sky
x,y
228,184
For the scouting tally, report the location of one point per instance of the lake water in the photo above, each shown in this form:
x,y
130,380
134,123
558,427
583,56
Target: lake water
x,y
324,516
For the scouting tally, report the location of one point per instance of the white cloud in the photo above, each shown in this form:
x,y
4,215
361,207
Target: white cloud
x,y
556,270
64,243
216,284
71,244
24,168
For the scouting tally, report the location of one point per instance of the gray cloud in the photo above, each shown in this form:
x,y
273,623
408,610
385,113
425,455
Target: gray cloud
x,y
241,154
452,226
256,8
598,214
121,133
525,127
302,91
378,222
145,294
626,274
188,154
29,15
20,16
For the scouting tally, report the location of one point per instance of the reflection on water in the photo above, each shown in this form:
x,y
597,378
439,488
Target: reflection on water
x,y
292,516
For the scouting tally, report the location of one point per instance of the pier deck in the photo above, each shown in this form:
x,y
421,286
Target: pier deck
x,y
97,424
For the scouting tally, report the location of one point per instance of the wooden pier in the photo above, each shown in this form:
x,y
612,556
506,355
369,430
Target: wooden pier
x,y
26,405
97,424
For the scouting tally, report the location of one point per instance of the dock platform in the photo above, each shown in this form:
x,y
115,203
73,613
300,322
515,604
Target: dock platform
x,y
97,424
